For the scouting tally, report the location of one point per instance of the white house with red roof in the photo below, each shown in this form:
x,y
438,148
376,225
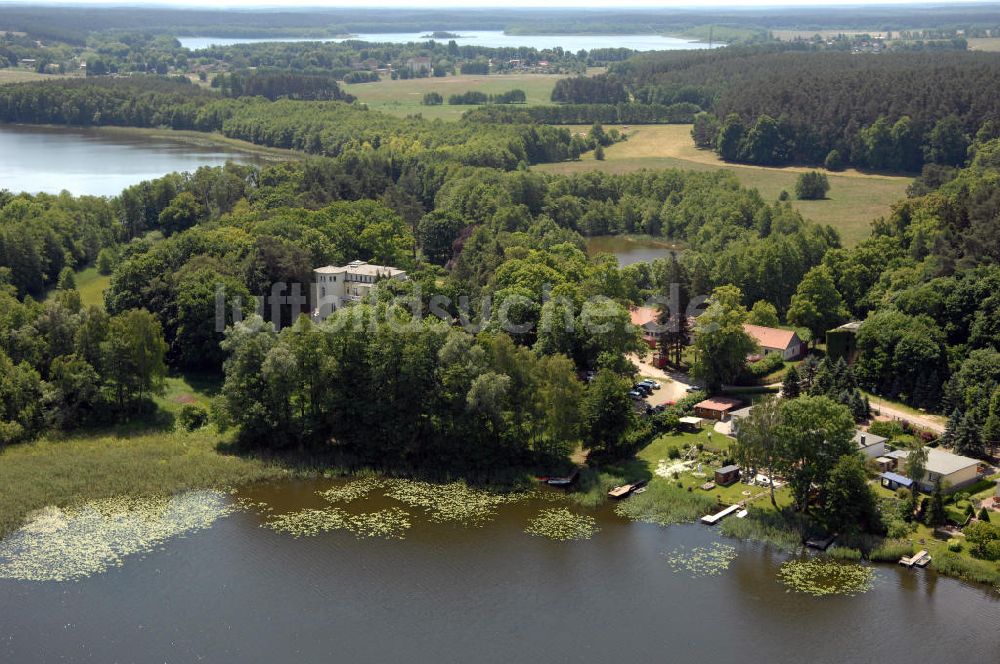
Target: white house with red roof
x,y
773,340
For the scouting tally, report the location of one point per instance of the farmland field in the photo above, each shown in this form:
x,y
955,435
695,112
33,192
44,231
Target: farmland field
x,y
855,198
403,97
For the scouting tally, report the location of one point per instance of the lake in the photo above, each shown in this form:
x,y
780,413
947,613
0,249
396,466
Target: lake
x,y
488,38
99,162
629,249
453,593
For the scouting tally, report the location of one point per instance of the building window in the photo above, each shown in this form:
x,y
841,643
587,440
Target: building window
x,y
323,291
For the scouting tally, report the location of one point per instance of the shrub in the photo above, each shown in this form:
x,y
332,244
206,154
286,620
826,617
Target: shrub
x,y
673,453
106,260
891,551
887,429
843,553
472,97
954,545
984,540
783,196
432,99
599,153
67,279
984,514
193,417
764,366
812,186
834,161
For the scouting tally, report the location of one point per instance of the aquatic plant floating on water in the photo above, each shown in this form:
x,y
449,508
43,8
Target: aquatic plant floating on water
x,y
825,577
352,490
455,502
64,545
702,560
390,523
561,524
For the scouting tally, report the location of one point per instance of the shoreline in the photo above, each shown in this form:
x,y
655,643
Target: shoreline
x,y
188,136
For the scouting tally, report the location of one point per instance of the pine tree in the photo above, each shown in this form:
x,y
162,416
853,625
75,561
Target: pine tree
x,y
951,428
936,515
984,514
823,382
809,369
859,408
951,397
791,387
967,440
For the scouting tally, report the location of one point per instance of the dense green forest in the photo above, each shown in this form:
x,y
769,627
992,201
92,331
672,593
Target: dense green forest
x,y
317,127
791,103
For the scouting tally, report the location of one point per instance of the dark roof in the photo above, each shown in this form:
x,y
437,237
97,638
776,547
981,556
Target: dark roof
x,y
725,470
898,479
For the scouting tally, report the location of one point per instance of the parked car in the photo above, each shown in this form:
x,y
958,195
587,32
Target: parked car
x,y
692,388
652,383
645,389
635,394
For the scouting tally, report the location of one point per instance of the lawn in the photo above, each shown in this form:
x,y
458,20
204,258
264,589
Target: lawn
x,y
147,456
403,97
18,75
854,201
984,43
91,284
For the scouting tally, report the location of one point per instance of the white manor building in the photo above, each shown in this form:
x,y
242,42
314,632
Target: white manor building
x,y
336,286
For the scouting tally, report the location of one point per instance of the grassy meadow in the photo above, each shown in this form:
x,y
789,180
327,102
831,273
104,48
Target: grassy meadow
x,y
91,284
855,198
403,98
150,456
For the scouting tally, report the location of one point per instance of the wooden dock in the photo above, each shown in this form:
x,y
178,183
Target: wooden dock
x,y
919,559
712,519
620,492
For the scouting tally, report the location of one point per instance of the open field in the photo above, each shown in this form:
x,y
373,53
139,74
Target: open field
x,y
789,35
91,284
984,43
855,198
18,75
403,97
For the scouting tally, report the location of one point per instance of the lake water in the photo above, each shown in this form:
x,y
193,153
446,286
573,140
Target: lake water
x,y
489,38
237,592
98,162
629,249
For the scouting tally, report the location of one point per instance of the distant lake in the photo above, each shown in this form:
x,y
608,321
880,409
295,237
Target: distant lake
x,y
96,162
629,249
490,38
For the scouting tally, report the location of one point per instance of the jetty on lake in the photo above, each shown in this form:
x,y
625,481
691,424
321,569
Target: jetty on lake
x,y
626,490
919,559
712,519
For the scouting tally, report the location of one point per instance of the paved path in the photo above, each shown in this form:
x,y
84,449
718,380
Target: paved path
x,y
674,383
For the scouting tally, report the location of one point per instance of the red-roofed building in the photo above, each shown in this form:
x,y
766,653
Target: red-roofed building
x,y
645,319
773,340
717,408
